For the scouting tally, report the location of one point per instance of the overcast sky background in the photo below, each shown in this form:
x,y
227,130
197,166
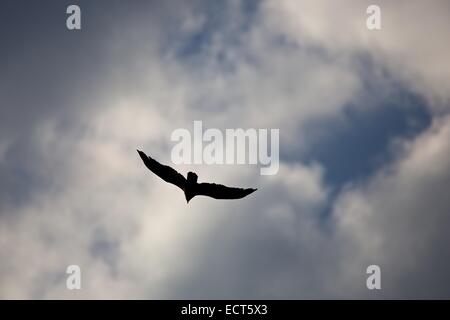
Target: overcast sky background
x,y
364,149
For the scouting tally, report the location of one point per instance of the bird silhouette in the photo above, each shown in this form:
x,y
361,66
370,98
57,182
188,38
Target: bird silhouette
x,y
190,186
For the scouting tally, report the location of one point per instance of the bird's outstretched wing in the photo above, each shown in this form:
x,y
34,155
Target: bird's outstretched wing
x,y
218,191
166,173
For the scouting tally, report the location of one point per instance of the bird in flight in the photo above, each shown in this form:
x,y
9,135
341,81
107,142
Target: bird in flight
x,y
190,186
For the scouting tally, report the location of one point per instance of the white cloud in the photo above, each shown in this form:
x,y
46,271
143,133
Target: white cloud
x,y
133,235
412,42
399,218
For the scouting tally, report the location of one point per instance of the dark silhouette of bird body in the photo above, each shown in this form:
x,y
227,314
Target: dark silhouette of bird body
x,y
190,186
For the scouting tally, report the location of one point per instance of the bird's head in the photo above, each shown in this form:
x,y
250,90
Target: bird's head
x,y
188,197
192,177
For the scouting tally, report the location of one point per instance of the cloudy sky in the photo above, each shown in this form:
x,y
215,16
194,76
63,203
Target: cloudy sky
x,y
364,119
